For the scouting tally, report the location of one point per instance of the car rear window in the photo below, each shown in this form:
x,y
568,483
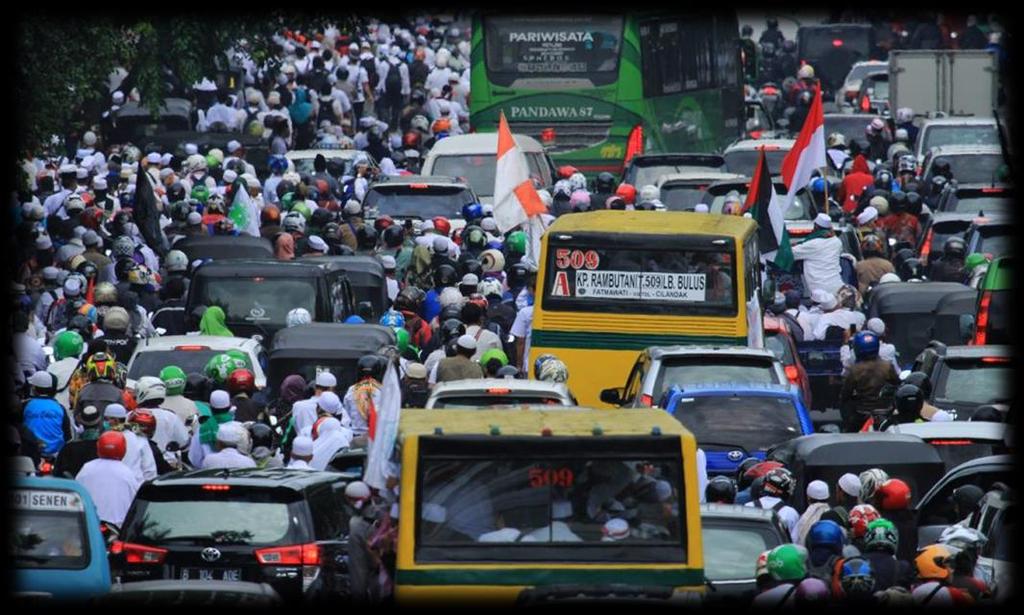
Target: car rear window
x,y
689,371
343,370
478,170
495,401
974,382
681,197
995,240
955,451
938,136
150,362
48,530
257,300
202,517
755,423
416,201
974,168
744,161
730,552
777,343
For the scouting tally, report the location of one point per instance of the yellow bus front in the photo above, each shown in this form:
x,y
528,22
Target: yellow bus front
x,y
611,283
487,515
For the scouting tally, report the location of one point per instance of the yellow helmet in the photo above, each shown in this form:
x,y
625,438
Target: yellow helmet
x,y
933,562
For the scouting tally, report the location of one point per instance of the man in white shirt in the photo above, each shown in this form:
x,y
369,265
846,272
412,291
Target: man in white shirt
x,y
229,436
820,255
834,315
776,492
111,484
302,453
138,456
808,318
522,328
304,411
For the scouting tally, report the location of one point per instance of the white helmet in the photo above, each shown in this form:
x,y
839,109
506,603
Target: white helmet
x,y
490,286
298,316
294,221
442,57
960,536
563,188
176,261
904,115
420,123
578,181
649,192
149,388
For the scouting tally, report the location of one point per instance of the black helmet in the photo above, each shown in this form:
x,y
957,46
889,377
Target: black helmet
x,y
335,167
911,269
393,236
721,490
954,248
941,167
908,402
605,182
902,255
741,470
197,387
366,237
261,434
445,275
321,217
176,192
474,238
883,179
913,203
180,211
371,365
81,324
449,312
452,329
471,265
921,381
517,275
772,23
747,30
988,413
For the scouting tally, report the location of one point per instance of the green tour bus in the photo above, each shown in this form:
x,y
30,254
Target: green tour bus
x,y
596,90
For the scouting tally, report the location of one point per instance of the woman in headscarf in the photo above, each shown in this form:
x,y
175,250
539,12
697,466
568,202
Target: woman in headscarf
x,y
213,322
330,437
284,247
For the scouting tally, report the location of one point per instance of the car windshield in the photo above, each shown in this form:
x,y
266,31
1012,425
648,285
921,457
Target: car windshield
x,y
150,362
731,552
514,400
640,175
802,208
682,197
755,423
858,73
777,343
974,382
697,370
243,521
937,136
478,170
49,540
256,299
416,201
305,165
978,203
744,161
973,168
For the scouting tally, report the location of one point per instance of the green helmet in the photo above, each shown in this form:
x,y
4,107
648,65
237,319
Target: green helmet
x,y
174,379
516,242
303,209
788,562
402,338
241,359
287,200
68,344
494,353
200,193
881,535
211,161
973,260
219,367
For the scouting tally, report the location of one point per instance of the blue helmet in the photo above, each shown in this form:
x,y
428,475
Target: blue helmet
x,y
856,577
540,361
472,211
354,320
865,345
392,318
278,164
826,534
818,185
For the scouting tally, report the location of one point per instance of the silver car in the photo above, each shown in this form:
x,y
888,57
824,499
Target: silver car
x,y
487,393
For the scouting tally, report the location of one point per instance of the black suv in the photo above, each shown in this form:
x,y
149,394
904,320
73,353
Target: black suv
x,y
966,377
288,528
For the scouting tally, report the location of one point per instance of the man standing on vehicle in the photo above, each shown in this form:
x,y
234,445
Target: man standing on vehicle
x,y
862,389
821,253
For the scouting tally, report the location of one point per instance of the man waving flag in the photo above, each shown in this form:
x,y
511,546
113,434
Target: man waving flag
x,y
515,198
763,205
808,152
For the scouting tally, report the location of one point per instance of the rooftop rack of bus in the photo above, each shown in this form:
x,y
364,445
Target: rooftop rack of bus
x,y
657,223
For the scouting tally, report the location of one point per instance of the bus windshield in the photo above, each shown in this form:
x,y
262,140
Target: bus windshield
x,y
679,282
558,47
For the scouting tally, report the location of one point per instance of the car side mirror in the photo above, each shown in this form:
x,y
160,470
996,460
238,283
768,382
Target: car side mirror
x,y
966,327
613,396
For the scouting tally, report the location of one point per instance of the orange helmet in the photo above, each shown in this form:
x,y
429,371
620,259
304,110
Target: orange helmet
x,y
442,225
145,420
270,215
627,192
111,445
566,171
411,140
441,124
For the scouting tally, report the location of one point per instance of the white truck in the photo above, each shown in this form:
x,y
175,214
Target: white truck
x,y
943,82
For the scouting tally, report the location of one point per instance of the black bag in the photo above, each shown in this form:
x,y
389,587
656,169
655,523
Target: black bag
x,y
371,71
393,81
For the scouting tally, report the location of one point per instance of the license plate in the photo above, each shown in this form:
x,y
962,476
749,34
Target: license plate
x,y
210,574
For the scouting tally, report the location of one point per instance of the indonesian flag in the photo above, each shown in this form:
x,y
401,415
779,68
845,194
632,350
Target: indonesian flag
x,y
808,152
383,430
515,198
763,205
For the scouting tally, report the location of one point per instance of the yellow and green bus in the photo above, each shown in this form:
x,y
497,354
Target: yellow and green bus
x,y
597,89
500,506
611,283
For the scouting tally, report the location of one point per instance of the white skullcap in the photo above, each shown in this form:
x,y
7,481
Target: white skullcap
x,y
230,433
72,287
115,411
388,262
194,218
153,158
233,146
868,215
828,301
823,221
42,379
357,490
318,244
229,176
220,400
89,138
850,484
99,183
166,172
416,371
440,245
329,401
67,169
81,173
191,149
434,513
817,490
118,97
251,181
352,207
302,446
701,208
876,326
166,159
466,342
470,279
615,529
326,380
889,277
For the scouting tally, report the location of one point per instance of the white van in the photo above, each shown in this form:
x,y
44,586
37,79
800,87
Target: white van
x,y
472,158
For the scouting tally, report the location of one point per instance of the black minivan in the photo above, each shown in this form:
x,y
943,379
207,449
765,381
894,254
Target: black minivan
x,y
288,528
257,294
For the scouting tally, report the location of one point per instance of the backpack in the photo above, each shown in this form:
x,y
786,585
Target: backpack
x,y
393,81
371,71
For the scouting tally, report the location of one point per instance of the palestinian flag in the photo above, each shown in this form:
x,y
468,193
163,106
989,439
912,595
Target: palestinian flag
x,y
147,215
764,207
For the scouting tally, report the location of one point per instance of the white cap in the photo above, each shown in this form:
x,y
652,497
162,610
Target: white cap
x,y
326,380
888,277
166,159
194,218
118,97
167,172
663,489
99,183
435,513
357,490
302,446
115,411
388,262
72,287
329,401
317,244
876,326
850,484
470,279
43,380
828,301
489,224
817,490
230,176
440,245
191,149
153,158
466,342
67,169
89,138
43,242
220,400
869,214
233,146
823,221
230,433
416,371
352,207
700,208
615,529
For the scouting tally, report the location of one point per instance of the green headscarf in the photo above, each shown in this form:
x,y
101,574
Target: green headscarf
x,y
208,428
213,322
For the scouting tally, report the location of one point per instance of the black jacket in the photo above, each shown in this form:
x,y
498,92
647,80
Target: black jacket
x,y
73,456
171,316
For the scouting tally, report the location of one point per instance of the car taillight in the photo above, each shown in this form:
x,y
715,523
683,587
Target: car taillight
x,y
865,104
646,400
792,374
926,249
991,190
216,487
635,142
983,305
837,42
995,359
292,555
138,554
950,442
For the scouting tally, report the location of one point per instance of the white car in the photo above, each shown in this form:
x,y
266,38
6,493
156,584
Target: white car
x,y
488,393
847,95
472,158
681,191
191,353
956,131
741,157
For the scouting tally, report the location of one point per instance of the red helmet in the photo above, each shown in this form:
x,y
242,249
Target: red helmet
x,y
627,192
111,445
442,225
761,469
382,223
478,299
92,218
241,381
146,421
270,214
894,494
566,171
860,516
323,189
411,140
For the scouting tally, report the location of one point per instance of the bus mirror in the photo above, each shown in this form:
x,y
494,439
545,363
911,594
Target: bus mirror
x,y
613,396
966,327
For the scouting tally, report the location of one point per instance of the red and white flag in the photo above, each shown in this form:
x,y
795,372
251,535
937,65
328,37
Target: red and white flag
x,y
516,201
808,152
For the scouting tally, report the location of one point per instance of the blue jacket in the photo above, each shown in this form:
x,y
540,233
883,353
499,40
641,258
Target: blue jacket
x,y
46,419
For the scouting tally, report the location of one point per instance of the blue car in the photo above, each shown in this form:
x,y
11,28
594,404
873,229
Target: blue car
x,y
57,550
733,421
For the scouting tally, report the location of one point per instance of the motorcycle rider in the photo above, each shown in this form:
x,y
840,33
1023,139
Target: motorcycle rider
x,y
862,388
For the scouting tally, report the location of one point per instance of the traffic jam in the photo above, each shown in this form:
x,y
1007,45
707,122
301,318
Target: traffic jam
x,y
522,309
